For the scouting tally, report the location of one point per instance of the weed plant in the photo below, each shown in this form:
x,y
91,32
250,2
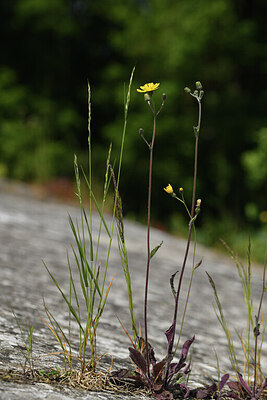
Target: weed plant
x,y
93,290
254,383
27,348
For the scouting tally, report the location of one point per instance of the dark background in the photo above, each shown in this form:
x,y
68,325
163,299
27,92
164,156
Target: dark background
x,y
51,47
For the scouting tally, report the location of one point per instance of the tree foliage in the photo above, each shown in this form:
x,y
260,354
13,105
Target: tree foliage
x,y
51,48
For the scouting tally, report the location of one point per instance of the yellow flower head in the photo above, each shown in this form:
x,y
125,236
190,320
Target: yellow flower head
x,y
181,190
148,87
169,189
198,202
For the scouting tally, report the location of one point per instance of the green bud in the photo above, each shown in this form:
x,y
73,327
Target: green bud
x,y
201,94
164,96
141,131
187,90
148,96
198,85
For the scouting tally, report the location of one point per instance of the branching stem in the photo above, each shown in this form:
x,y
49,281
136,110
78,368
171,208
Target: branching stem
x,y
196,130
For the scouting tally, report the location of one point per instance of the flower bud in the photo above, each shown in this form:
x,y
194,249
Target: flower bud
x,y
187,90
141,131
198,85
197,209
148,96
181,190
164,96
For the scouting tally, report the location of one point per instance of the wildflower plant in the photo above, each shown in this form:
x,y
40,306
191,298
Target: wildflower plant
x,y
167,379
164,376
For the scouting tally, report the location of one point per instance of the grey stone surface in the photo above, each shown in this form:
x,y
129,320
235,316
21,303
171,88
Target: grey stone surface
x,y
32,231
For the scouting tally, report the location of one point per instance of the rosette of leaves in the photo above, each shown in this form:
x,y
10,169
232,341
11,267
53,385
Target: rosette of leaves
x,y
162,381
213,391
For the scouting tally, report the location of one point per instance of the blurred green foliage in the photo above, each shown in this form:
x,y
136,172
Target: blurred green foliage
x,y
50,49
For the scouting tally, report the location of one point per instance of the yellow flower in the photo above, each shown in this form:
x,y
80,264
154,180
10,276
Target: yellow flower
x,y
198,202
148,87
169,189
181,190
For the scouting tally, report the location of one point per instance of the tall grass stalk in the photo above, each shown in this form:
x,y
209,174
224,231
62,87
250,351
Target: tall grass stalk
x,y
124,257
92,276
250,344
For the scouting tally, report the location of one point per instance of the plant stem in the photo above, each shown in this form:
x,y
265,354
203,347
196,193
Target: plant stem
x,y
256,330
151,147
196,130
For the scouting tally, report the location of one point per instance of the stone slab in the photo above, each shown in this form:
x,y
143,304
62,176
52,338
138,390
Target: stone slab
x,y
32,231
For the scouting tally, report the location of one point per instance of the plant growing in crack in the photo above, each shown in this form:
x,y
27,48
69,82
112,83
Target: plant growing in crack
x,y
254,383
166,376
214,390
86,306
27,348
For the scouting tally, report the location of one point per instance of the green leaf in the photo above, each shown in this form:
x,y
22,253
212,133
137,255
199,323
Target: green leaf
x,y
153,252
65,298
172,284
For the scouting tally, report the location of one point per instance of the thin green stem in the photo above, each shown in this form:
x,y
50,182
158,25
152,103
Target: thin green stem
x,y
89,155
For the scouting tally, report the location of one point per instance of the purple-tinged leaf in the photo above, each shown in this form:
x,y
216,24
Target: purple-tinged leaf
x,y
244,385
126,376
170,334
233,385
263,386
184,353
152,356
138,359
202,393
157,387
233,396
182,385
157,368
208,391
223,381
165,395
186,346
175,367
